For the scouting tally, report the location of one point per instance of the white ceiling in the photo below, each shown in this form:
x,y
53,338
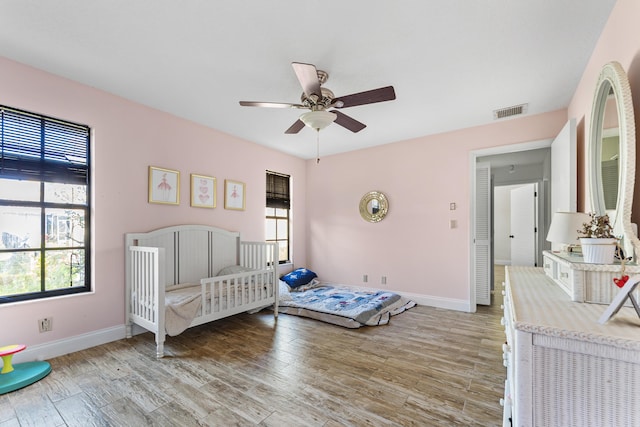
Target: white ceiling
x,y
452,62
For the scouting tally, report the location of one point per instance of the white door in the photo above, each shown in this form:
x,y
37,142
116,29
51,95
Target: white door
x,y
523,225
564,164
482,234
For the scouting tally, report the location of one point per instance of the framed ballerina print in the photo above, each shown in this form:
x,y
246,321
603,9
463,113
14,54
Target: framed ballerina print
x,y
164,186
234,195
203,191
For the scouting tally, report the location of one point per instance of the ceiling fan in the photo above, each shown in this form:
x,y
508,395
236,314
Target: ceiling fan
x,y
319,99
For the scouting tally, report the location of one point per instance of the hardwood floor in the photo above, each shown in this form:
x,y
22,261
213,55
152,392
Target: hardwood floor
x,y
428,367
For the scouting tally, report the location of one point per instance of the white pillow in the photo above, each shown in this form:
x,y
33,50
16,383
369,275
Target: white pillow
x,y
312,284
283,292
233,269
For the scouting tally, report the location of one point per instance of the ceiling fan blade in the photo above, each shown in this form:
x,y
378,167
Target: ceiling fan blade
x,y
308,78
347,122
296,127
369,97
270,104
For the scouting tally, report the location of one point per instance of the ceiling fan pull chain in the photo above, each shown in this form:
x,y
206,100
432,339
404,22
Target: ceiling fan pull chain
x,y
318,146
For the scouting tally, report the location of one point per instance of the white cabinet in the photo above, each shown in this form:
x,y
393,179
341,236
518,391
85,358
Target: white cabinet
x,y
563,367
585,282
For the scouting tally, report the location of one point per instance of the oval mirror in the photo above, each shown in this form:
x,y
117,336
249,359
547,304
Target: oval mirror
x,y
612,153
374,206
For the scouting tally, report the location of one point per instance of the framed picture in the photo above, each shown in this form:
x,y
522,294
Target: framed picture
x,y
164,186
234,195
203,191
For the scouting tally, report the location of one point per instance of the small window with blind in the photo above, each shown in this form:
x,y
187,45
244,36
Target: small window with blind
x,y
278,213
44,206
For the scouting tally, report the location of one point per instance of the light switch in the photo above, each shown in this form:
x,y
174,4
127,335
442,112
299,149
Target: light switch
x,y
453,223
452,206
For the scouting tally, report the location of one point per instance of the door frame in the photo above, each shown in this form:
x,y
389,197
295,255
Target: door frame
x,y
473,155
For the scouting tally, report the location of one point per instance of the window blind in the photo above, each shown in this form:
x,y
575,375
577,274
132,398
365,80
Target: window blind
x,y
34,147
278,195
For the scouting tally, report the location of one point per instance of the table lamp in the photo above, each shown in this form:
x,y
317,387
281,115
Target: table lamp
x,y
564,228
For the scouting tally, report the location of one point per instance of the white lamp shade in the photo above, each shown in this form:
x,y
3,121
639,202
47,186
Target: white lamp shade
x,y
318,119
565,225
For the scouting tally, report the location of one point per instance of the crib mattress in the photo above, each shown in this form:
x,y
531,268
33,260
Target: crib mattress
x,y
344,305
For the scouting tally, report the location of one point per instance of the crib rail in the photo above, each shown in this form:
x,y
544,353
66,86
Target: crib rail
x,y
147,286
260,256
236,293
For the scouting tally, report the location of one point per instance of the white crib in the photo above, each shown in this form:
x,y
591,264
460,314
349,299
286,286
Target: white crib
x,y
160,260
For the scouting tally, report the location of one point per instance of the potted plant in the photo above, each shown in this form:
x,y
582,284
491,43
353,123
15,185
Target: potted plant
x,y
597,240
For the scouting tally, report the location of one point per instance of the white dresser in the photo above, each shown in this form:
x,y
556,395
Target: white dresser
x,y
585,282
563,368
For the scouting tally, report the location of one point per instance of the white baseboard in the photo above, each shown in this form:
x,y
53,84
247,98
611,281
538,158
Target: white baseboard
x,y
69,345
502,261
439,302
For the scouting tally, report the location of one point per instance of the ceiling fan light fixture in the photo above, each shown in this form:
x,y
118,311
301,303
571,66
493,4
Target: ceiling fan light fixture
x,y
319,119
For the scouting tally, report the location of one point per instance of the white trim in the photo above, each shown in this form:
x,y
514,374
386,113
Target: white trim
x,y
473,155
70,345
439,302
512,148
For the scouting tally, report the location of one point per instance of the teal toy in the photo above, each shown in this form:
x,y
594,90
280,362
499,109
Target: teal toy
x,y
14,377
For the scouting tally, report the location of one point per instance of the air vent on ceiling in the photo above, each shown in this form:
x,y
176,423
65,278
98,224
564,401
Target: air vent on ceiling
x,y
510,111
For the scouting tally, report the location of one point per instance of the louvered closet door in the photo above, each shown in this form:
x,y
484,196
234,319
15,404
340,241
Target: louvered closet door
x,y
482,237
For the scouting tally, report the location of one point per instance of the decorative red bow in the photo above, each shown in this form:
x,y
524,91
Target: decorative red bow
x,y
621,281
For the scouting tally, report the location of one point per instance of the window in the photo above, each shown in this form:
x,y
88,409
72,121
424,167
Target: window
x,y
278,213
44,206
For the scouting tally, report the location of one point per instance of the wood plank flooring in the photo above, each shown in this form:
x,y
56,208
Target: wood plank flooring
x,y
428,367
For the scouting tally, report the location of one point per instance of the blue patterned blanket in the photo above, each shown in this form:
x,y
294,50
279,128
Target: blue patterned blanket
x,y
345,306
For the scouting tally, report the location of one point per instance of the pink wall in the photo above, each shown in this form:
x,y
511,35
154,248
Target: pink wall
x,y
413,246
127,138
619,42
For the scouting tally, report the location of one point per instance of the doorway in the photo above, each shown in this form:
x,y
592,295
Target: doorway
x,y
524,166
515,224
514,161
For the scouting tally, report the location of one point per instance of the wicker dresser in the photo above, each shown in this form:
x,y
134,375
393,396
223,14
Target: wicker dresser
x,y
585,282
563,368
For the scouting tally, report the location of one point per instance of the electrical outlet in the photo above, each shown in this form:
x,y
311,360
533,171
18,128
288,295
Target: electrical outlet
x,y
365,278
46,324
383,280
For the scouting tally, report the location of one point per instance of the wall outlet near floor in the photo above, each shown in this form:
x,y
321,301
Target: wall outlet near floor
x,y
383,280
46,324
365,278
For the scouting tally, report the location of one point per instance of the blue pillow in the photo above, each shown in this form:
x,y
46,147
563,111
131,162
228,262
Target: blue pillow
x,y
299,277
